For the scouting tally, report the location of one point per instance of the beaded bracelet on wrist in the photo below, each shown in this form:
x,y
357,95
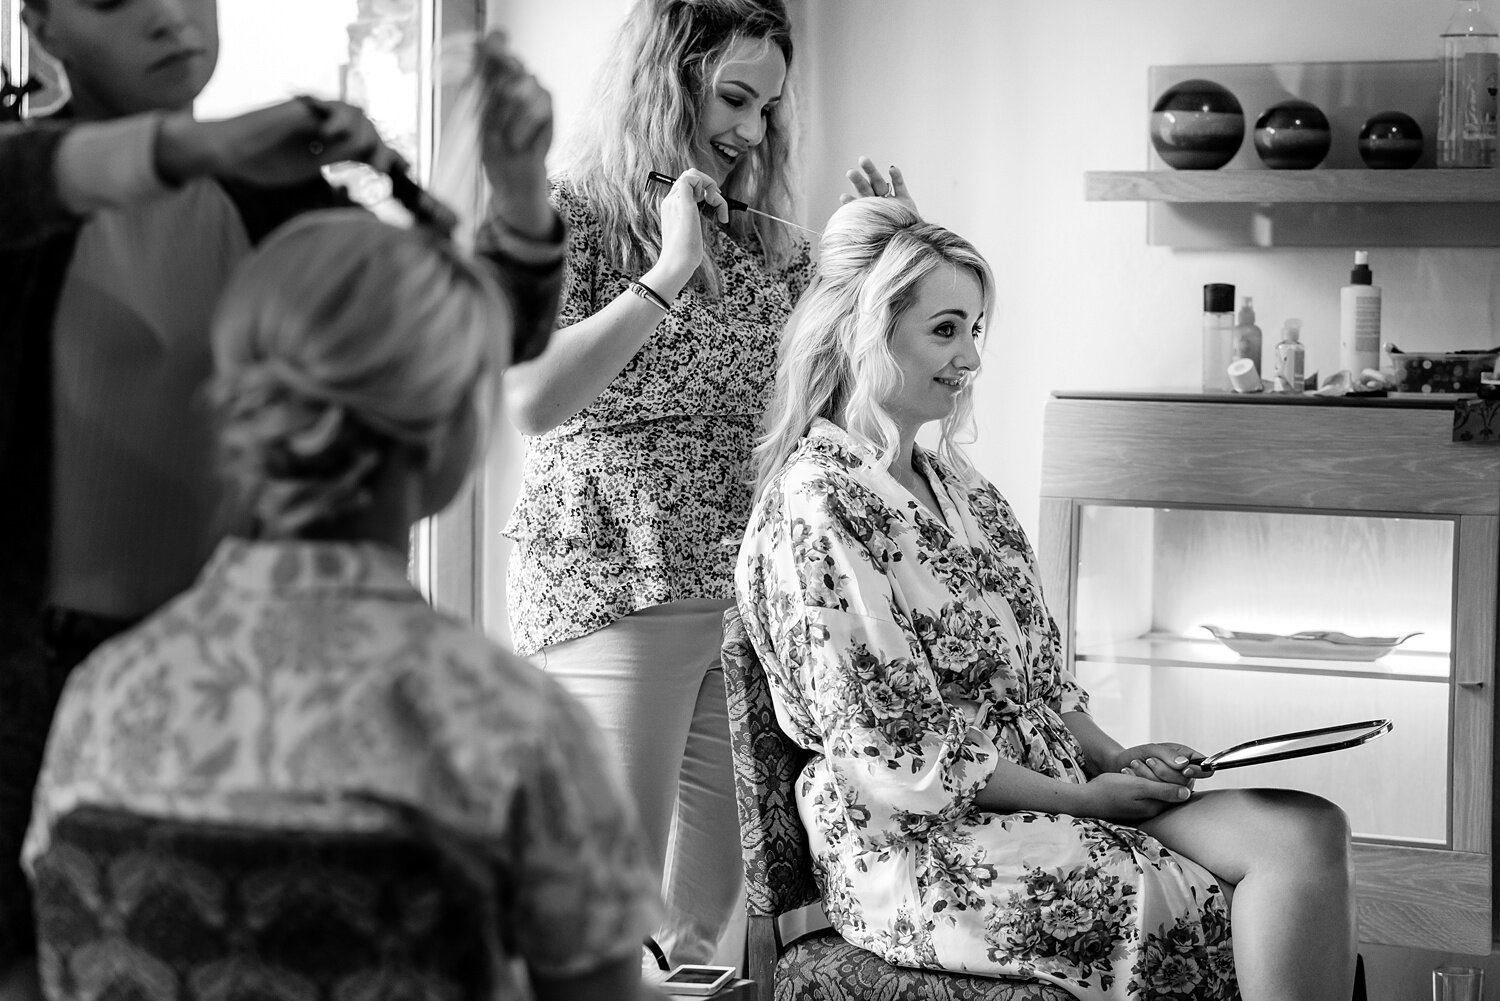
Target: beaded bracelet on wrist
x,y
650,294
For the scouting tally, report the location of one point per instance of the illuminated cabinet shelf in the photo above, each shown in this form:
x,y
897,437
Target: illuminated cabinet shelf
x,y
1210,654
1164,512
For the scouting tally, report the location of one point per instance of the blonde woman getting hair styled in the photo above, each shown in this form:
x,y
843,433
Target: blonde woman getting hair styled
x,y
303,682
641,415
963,809
836,361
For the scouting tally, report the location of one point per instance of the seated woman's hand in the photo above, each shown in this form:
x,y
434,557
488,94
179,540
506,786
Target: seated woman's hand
x,y
1129,798
1165,762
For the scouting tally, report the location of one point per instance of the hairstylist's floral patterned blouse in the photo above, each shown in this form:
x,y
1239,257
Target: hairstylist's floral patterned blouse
x,y
294,671
640,498
911,656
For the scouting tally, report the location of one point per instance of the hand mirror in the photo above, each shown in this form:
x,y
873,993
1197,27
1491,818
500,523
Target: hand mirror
x,y
1297,744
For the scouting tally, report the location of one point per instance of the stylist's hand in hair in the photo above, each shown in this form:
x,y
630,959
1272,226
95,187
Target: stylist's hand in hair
x,y
283,144
515,131
869,182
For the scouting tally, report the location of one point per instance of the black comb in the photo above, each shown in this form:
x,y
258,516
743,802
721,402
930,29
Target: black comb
x,y
425,209
735,205
657,177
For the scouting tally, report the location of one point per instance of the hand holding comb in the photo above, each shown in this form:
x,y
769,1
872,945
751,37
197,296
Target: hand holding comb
x,y
735,205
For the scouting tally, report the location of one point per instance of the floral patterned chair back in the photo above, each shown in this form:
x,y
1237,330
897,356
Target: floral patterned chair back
x,y
819,966
134,907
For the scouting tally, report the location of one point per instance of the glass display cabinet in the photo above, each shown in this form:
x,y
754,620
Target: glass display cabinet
x,y
1346,554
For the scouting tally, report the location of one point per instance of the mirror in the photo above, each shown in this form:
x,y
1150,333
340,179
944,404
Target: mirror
x,y
1297,744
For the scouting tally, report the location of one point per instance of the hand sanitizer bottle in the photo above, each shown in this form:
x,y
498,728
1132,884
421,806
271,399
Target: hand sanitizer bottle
x,y
1289,358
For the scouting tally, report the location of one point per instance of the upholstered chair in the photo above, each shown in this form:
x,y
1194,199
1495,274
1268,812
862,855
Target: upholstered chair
x,y
134,907
821,965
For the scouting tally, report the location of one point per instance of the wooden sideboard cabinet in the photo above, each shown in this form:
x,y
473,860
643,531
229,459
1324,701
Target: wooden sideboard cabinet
x,y
1163,513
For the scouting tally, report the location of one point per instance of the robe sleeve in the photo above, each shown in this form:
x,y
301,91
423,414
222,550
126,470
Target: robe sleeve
x,y
999,521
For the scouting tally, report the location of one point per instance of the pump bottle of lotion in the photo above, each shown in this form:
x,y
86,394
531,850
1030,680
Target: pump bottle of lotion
x,y
1359,319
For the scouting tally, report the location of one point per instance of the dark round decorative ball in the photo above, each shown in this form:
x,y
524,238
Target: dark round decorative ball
x,y
1390,140
1292,135
1197,125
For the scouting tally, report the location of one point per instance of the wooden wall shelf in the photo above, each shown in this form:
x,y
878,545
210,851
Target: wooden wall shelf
x,y
1341,203
1291,186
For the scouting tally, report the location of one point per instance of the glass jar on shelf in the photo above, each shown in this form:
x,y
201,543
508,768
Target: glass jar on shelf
x,y
1467,104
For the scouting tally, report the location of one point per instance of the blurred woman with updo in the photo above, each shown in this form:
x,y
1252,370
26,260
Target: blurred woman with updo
x,y
303,681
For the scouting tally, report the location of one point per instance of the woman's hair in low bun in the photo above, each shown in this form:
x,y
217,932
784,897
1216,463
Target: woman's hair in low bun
x,y
337,339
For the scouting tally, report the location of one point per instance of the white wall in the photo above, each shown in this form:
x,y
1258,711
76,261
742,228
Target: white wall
x,y
995,108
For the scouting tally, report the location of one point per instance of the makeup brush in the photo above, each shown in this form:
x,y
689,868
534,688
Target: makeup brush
x,y
735,205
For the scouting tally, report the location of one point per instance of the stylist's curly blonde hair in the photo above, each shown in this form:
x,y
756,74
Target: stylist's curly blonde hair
x,y
643,116
339,339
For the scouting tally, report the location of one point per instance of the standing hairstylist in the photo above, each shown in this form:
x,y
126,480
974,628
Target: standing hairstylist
x,y
641,415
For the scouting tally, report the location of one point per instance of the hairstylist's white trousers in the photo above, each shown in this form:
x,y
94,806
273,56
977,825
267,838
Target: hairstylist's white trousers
x,y
654,684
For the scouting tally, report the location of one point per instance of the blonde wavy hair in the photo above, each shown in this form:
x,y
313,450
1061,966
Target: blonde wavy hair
x,y
648,100
835,358
339,338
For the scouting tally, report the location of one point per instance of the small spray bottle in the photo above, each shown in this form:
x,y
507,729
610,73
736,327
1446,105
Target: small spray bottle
x,y
1289,358
1247,338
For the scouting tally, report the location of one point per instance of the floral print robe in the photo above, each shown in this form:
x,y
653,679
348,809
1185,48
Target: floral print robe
x,y
911,656
637,499
296,672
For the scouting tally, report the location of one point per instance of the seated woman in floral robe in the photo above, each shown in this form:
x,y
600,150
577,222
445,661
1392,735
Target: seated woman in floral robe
x,y
965,812
303,682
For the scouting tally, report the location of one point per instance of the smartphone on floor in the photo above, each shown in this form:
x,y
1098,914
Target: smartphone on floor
x,y
691,979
